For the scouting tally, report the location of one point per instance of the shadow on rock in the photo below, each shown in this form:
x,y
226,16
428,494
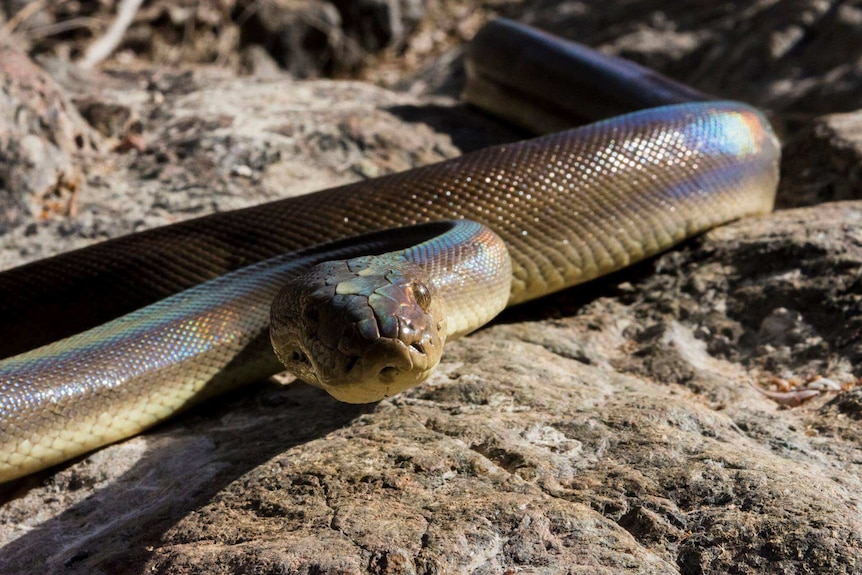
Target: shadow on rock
x,y
173,471
469,128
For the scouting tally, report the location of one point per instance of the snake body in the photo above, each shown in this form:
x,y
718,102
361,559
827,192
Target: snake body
x,y
567,207
122,377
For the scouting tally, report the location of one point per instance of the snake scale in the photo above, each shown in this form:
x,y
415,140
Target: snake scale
x,y
566,208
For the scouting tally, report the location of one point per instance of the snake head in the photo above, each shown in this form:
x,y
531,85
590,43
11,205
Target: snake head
x,y
359,329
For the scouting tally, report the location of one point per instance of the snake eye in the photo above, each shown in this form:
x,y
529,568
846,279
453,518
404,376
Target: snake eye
x,y
422,295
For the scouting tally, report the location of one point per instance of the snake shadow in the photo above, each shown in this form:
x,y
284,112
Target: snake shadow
x,y
469,128
185,463
570,301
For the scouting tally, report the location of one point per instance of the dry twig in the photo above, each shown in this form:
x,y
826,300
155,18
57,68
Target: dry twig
x,y
20,17
104,46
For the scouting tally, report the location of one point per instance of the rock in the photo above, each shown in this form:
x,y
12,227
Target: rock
x,y
781,55
307,38
110,120
256,61
42,137
312,39
203,148
379,24
303,36
823,161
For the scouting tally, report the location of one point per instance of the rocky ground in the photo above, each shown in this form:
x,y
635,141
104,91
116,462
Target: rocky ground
x,y
611,428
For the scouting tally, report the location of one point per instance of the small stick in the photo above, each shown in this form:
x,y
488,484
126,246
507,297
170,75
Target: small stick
x,y
788,398
104,46
21,16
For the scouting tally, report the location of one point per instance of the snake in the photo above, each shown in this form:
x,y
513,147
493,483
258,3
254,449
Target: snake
x,y
356,289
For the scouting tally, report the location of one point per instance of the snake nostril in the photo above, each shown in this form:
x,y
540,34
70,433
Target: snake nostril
x,y
418,347
350,363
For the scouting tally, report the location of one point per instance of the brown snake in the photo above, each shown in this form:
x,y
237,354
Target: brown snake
x,y
567,208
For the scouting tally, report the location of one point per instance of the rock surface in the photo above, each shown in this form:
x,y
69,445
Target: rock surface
x,y
782,55
43,141
611,428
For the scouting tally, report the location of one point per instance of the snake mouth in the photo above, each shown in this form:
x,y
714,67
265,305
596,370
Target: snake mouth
x,y
384,367
387,367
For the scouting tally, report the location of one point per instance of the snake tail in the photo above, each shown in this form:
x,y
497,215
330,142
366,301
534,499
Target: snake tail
x,y
546,84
